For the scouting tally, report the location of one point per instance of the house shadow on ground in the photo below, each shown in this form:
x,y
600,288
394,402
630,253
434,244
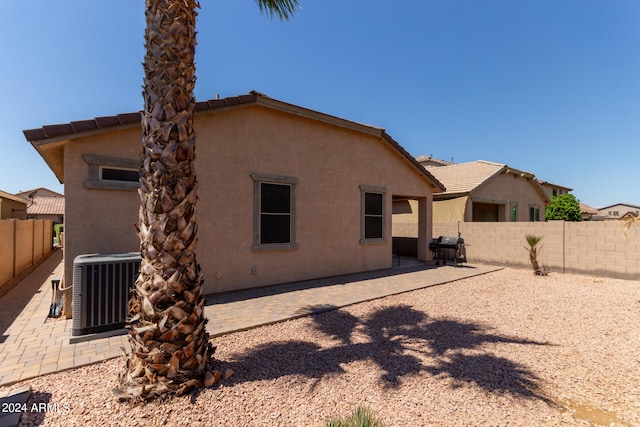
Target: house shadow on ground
x,y
401,341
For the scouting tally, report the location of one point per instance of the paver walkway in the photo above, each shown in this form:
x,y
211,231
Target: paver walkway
x,y
31,346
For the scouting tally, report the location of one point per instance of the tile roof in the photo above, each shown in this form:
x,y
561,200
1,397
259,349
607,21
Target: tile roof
x,y
67,129
46,206
584,208
9,196
551,184
38,137
432,161
464,177
620,204
40,191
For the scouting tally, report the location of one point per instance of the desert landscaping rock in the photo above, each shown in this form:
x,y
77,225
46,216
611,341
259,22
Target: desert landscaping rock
x,y
504,348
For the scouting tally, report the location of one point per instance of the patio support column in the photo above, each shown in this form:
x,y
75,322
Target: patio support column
x,y
424,229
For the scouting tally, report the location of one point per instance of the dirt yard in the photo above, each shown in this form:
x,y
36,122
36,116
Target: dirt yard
x,y
505,348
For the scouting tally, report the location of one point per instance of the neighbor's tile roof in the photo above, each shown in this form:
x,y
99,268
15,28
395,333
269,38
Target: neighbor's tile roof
x,y
584,208
464,177
46,206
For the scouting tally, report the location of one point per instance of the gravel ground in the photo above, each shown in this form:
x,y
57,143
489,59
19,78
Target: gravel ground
x,y
505,348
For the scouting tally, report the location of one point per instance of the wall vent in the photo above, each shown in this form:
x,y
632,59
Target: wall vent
x,y
101,290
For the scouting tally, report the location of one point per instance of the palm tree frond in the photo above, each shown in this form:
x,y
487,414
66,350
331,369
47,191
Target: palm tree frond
x,y
283,9
533,240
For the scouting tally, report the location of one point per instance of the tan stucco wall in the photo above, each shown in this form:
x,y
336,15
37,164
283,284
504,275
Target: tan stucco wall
x,y
450,210
22,244
98,221
329,162
7,238
508,188
12,209
588,247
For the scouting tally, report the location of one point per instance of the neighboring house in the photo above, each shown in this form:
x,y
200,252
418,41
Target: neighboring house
x,y
431,162
618,211
46,204
629,215
589,213
332,182
483,191
13,207
553,190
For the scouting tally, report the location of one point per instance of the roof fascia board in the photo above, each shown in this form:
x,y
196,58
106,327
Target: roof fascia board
x,y
435,184
315,115
13,197
358,127
447,196
489,178
76,135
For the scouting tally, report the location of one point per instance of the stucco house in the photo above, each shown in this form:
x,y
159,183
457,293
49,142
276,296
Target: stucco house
x,y
285,193
12,206
483,191
618,211
46,204
553,190
589,214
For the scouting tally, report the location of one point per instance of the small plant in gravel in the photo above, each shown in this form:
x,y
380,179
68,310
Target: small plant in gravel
x,y
361,417
534,251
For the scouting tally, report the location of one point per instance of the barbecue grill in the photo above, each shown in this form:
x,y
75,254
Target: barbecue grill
x,y
448,247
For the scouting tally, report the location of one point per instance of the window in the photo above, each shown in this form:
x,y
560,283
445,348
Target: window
x,y
534,213
514,212
112,173
274,212
373,214
555,192
119,174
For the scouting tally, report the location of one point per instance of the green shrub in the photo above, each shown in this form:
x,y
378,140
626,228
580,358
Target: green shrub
x,y
361,417
57,229
563,207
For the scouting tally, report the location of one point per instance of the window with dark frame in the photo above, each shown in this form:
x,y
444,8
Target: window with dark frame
x,y
534,213
372,214
112,173
119,174
274,212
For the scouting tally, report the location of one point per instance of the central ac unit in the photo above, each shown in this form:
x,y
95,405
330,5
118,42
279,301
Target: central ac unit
x,y
101,289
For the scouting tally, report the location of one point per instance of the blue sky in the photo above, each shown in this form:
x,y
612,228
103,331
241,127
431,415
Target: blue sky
x,y
551,87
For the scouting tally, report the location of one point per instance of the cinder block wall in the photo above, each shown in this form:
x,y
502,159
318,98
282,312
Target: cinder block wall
x,y
598,248
22,244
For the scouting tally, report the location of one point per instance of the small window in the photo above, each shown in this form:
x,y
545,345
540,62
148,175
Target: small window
x,y
555,192
534,213
274,212
112,173
514,212
119,174
373,214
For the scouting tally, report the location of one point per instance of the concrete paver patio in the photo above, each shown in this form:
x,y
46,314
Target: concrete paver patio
x,y
31,346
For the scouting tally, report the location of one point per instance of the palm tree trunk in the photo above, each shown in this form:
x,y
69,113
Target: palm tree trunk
x,y
170,348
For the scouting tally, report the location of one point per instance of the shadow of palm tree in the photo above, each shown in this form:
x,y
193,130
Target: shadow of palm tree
x,y
401,341
492,373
